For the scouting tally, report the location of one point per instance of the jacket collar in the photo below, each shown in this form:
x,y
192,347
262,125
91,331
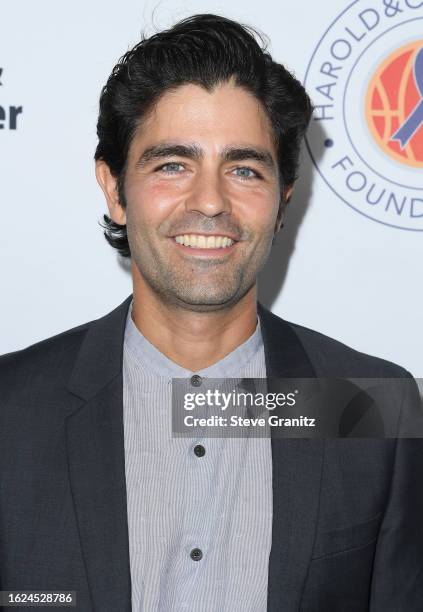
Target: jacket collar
x,y
285,355
101,354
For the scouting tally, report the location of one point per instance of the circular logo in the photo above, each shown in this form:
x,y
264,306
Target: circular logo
x,y
366,135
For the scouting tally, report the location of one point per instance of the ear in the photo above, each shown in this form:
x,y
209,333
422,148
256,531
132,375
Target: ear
x,y
286,196
108,184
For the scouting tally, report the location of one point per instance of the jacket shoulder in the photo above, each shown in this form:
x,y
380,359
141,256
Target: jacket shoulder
x,y
46,367
331,357
326,352
48,360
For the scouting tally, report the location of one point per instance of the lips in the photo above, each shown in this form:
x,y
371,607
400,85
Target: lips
x,y
227,246
204,241
235,236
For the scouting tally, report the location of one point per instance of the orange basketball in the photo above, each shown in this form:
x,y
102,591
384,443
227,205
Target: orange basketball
x,y
391,98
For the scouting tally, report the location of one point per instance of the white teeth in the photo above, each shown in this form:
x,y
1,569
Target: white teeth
x,y
200,241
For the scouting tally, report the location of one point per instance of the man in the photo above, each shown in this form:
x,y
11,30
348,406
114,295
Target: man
x,y
199,134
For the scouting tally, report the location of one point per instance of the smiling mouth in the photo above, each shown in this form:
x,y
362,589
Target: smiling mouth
x,y
205,242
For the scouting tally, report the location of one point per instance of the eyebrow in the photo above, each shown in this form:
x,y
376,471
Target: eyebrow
x,y
262,156
194,151
159,151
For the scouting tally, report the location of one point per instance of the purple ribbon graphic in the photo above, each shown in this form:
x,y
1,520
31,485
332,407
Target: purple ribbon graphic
x,y
410,126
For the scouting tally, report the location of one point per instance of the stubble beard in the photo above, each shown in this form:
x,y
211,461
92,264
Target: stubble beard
x,y
183,287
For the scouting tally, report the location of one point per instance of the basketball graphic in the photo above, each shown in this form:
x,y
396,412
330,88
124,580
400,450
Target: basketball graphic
x,y
394,104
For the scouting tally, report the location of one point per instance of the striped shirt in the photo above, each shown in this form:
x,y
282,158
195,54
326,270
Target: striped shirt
x,y
199,522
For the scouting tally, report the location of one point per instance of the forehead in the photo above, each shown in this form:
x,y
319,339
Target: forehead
x,y
227,115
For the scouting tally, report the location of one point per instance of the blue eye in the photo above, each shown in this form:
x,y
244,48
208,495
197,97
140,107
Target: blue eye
x,y
246,173
171,167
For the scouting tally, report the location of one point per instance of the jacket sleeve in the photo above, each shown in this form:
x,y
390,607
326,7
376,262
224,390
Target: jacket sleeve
x,y
397,580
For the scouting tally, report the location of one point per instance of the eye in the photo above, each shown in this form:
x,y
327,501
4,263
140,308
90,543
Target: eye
x,y
246,173
171,167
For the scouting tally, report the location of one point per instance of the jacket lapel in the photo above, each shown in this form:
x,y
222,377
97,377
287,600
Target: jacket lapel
x,y
297,468
95,446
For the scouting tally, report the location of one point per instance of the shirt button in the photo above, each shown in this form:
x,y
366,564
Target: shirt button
x,y
199,450
196,554
196,380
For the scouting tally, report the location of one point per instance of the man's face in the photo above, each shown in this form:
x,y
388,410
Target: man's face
x,y
201,165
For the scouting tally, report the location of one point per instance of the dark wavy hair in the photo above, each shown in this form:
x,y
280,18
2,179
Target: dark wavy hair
x,y
203,50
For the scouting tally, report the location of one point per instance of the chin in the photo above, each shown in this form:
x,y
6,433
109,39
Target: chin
x,y
206,303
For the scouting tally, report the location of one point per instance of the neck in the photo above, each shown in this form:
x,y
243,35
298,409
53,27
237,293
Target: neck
x,y
193,340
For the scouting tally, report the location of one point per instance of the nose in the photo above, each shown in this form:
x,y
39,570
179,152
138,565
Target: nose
x,y
207,195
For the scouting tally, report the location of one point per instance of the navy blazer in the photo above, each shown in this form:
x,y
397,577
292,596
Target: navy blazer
x,y
347,532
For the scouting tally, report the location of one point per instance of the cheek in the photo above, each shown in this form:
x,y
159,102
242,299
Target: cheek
x,y
166,194
152,202
257,208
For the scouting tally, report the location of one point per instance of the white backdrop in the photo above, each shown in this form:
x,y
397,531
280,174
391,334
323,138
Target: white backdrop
x,y
331,269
